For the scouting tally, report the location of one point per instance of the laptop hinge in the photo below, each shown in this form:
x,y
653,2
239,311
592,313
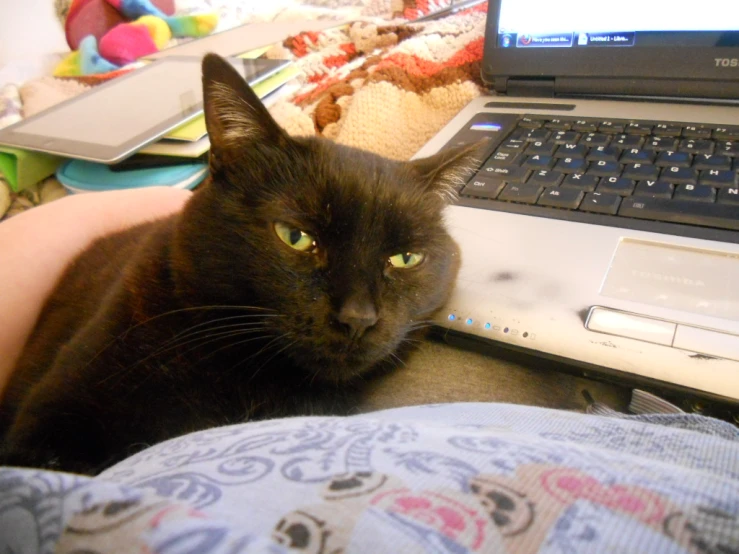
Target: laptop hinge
x,y
541,87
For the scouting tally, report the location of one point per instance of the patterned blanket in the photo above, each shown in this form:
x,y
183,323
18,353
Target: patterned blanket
x,y
442,479
385,86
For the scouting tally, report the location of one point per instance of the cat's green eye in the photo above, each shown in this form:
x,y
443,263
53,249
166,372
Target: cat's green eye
x,y
295,238
406,260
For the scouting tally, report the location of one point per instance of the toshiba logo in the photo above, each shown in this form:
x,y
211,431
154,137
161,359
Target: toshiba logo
x,y
726,62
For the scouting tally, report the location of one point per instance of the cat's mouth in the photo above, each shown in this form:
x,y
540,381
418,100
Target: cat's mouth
x,y
343,359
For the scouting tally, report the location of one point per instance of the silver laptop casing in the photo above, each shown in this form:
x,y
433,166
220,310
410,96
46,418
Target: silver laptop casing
x,y
533,282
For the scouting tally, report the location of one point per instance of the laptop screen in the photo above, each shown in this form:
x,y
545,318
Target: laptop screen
x,y
625,24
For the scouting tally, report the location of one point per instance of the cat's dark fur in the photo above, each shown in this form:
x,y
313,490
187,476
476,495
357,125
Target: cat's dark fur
x,y
208,318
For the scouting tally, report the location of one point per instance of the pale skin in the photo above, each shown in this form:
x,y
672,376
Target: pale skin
x,y
37,245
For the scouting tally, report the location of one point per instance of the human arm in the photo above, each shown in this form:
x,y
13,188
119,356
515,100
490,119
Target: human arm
x,y
37,245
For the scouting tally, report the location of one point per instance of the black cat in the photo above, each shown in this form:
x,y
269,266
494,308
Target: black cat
x,y
298,268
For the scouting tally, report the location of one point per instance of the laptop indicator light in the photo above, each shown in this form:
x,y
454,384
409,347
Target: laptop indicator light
x,y
495,127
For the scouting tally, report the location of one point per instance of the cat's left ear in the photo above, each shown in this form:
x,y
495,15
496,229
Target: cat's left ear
x,y
444,173
234,116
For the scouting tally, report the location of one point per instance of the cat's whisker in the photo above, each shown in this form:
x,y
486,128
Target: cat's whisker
x,y
239,343
256,371
190,332
123,334
315,375
420,323
221,319
397,358
213,337
198,309
231,345
265,348
208,338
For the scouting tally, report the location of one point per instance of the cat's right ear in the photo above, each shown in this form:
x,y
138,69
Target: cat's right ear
x,y
235,117
445,172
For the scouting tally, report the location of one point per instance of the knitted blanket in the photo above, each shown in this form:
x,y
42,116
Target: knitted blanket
x,y
387,89
384,86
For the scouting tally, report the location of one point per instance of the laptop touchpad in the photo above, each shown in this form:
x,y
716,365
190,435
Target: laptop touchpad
x,y
700,281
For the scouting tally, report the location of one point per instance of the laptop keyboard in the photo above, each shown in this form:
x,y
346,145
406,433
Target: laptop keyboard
x,y
647,170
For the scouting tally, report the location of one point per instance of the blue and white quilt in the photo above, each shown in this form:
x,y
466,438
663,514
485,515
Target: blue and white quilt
x,y
452,478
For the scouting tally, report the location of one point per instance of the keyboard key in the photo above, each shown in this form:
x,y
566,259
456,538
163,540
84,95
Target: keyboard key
x,y
508,173
696,132
654,189
603,168
611,127
726,133
640,172
707,214
701,193
616,185
571,165
627,141
518,133
527,194
672,158
595,139
580,181
711,161
667,130
585,126
530,123
728,149
608,153
728,196
504,158
539,162
717,178
637,155
558,124
696,193
545,178
565,137
539,147
513,145
561,198
485,187
537,135
678,175
658,144
638,129
696,146
601,203
571,151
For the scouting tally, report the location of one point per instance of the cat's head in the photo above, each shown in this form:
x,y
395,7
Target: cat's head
x,y
347,248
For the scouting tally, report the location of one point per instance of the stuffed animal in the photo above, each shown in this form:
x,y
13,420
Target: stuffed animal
x,y
108,34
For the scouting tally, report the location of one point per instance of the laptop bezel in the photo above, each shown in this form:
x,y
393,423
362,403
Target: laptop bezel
x,y
599,64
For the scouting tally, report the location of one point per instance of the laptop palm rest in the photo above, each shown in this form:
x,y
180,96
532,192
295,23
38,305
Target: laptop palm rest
x,y
701,282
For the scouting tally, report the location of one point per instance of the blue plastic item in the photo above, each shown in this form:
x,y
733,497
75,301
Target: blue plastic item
x,y
81,176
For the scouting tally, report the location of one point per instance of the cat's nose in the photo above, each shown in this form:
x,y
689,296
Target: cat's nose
x,y
357,315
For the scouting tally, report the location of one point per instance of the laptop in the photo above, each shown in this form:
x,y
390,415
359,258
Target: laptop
x,y
601,229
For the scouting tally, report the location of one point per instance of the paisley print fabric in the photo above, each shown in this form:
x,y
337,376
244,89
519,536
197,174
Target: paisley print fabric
x,y
456,478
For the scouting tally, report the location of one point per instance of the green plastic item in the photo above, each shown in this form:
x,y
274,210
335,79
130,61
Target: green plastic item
x,y
23,168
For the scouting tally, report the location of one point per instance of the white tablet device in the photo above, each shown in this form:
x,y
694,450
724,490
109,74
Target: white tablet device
x,y
114,120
